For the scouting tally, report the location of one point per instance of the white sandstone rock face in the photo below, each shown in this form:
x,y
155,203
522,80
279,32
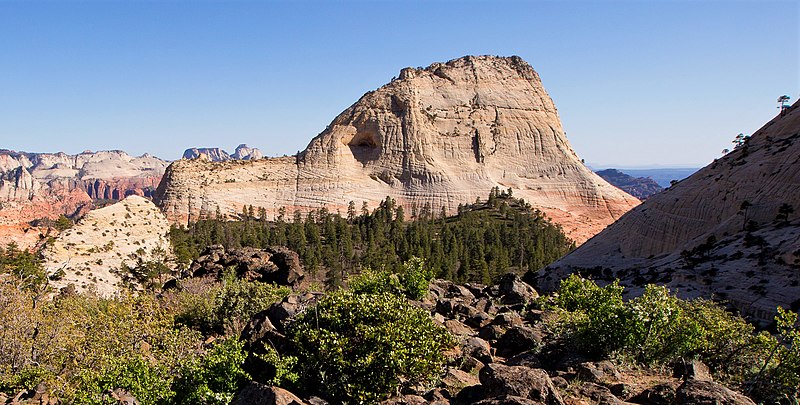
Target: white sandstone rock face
x,y
755,269
443,135
94,254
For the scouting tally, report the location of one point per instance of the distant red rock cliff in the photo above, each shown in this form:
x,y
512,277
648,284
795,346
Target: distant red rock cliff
x,y
46,185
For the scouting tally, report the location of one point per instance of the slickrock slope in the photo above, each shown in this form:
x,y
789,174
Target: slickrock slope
x,y
666,239
93,253
45,185
442,135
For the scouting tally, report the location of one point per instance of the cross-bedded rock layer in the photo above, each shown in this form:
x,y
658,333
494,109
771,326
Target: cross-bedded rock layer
x,y
443,135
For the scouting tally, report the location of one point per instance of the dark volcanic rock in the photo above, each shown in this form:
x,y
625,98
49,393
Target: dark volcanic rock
x,y
508,400
514,291
517,340
271,265
698,392
529,383
662,394
260,394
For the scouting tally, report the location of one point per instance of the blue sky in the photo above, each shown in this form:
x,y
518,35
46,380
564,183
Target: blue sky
x,y
637,83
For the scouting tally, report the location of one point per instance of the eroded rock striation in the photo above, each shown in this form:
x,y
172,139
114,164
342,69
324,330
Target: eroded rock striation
x,y
730,231
442,135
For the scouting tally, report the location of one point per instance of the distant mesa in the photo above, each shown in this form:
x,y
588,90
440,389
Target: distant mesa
x,y
242,152
729,231
639,187
439,136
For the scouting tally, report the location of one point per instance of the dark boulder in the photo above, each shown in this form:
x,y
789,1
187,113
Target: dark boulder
x,y
517,340
600,372
691,370
513,290
662,394
697,392
509,400
271,265
529,383
260,394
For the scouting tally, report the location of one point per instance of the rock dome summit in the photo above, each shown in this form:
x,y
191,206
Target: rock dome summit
x,y
442,135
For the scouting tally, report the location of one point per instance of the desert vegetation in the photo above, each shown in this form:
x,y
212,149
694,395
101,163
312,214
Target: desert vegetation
x,y
388,325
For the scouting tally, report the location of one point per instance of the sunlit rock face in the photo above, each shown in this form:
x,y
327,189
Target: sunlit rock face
x,y
726,231
95,254
442,135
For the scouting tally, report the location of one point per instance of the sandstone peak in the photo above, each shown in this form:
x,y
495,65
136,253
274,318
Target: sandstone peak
x,y
441,135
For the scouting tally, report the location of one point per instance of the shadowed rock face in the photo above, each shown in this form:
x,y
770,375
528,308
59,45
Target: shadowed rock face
x,y
699,238
442,135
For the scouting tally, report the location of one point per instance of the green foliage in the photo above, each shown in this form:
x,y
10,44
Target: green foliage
x,y
24,266
80,345
227,306
779,377
148,381
412,281
238,300
215,377
375,282
484,241
415,278
595,316
657,328
285,367
362,347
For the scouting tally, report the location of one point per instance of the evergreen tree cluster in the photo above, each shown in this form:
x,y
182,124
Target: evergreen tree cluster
x,y
480,243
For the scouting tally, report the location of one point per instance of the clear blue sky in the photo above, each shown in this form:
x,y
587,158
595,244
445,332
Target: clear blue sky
x,y
637,83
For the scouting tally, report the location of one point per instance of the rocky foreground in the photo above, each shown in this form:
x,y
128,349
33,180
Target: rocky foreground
x,y
443,135
505,355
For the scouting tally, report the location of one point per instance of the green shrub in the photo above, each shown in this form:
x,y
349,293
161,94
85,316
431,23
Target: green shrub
x,y
215,377
146,380
239,300
412,281
362,347
226,307
375,282
657,328
285,367
594,317
778,379
24,266
415,278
